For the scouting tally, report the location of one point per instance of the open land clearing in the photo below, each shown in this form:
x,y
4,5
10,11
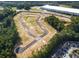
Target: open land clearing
x,y
31,27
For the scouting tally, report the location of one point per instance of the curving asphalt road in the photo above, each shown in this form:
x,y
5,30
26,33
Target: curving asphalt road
x,y
37,38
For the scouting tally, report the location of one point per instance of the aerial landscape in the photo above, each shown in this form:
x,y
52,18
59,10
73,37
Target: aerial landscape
x,y
39,29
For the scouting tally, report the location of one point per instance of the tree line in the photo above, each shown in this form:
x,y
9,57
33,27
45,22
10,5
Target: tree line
x,y
8,33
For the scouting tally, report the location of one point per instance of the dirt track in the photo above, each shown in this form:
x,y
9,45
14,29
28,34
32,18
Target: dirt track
x,y
33,45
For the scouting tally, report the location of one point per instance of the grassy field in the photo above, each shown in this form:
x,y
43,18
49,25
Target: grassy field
x,y
31,22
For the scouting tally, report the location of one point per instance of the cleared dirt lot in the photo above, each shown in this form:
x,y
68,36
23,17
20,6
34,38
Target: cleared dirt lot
x,y
26,38
31,22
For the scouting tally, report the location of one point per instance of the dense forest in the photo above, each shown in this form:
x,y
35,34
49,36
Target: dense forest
x,y
28,4
54,22
8,33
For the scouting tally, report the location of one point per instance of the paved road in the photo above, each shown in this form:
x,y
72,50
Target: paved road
x,y
23,23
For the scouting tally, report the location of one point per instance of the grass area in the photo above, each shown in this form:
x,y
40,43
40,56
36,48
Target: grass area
x,y
36,10
22,34
31,22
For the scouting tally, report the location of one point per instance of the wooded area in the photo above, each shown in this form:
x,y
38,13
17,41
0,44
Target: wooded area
x,y
8,33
